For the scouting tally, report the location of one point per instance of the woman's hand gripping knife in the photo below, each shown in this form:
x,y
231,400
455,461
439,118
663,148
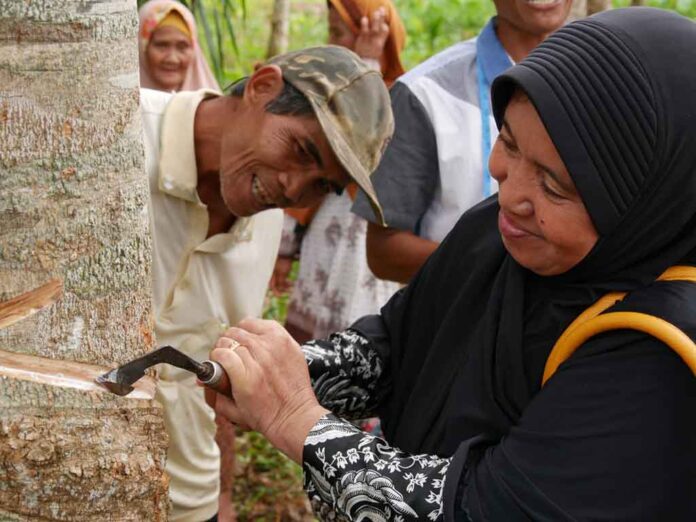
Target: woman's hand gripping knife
x,y
271,390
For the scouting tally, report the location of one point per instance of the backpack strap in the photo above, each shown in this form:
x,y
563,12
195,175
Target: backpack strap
x,y
592,322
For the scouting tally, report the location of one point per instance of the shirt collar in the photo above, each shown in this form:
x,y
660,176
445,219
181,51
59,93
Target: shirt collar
x,y
494,59
178,174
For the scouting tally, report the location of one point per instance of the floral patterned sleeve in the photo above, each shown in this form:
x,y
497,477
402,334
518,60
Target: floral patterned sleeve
x,y
345,372
352,475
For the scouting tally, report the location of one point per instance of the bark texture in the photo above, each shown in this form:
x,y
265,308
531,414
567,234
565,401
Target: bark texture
x,y
73,206
280,28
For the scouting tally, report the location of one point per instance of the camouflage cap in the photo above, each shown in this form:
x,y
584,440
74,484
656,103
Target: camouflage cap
x,y
352,105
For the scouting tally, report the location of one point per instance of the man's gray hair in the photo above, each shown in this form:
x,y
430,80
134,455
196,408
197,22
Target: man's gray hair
x,y
290,101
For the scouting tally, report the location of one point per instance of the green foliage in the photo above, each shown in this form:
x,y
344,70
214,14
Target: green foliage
x,y
268,485
684,7
433,25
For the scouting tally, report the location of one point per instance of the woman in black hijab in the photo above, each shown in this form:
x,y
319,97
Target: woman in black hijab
x,y
596,164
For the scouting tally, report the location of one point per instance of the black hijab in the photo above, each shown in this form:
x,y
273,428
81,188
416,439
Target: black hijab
x,y
468,338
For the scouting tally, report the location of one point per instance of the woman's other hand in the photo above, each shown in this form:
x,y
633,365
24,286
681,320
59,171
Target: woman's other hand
x,y
271,390
372,36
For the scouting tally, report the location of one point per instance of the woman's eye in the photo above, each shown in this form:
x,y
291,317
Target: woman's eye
x,y
550,191
508,145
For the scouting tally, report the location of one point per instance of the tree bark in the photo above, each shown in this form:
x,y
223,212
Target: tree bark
x,y
73,207
280,28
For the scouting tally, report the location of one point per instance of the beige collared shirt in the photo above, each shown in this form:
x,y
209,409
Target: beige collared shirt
x,y
200,287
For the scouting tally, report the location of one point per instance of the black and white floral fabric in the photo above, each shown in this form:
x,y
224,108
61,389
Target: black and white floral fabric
x,y
351,475
345,373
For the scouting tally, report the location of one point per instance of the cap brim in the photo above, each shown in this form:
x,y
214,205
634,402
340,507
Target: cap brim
x,y
348,158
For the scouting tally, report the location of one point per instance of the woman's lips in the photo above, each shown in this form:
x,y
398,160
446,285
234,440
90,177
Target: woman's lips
x,y
509,229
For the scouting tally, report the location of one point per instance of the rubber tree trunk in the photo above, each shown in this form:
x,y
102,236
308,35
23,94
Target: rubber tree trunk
x,y
280,28
73,200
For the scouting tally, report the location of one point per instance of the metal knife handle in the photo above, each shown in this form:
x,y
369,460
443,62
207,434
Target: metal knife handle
x,y
218,379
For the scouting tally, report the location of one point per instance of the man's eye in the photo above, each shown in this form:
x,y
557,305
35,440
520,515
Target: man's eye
x,y
302,155
325,186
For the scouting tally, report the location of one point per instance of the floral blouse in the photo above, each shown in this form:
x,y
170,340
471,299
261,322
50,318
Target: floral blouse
x,y
352,475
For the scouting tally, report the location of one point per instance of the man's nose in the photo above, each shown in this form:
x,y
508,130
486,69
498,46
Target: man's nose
x,y
298,187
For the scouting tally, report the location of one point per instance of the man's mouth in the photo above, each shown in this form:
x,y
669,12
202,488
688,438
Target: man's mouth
x,y
261,194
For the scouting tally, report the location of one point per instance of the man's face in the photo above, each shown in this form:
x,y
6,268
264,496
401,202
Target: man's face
x,y
537,17
268,160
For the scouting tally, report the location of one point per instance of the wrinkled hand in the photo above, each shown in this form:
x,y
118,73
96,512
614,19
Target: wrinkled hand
x,y
271,390
280,280
372,36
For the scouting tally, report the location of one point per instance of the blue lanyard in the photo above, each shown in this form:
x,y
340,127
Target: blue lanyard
x,y
491,60
485,106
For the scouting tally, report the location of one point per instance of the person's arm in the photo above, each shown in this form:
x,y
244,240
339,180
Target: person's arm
x,y
405,181
610,436
396,255
349,473
345,372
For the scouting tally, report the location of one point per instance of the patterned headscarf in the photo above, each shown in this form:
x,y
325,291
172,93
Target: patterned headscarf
x,y
152,14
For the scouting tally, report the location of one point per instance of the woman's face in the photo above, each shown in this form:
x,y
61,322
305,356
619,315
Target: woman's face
x,y
169,56
339,32
543,222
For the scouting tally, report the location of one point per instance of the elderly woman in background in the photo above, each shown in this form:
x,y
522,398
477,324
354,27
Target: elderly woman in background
x,y
541,365
334,285
170,57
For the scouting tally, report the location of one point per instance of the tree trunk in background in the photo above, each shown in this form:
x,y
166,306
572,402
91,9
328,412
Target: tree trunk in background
x,y
280,28
73,206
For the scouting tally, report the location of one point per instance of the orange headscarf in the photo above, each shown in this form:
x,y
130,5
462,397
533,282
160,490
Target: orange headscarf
x,y
351,11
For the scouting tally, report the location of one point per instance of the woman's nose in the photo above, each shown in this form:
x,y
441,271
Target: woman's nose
x,y
172,56
513,190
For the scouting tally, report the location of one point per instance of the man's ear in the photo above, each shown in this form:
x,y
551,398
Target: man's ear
x,y
264,85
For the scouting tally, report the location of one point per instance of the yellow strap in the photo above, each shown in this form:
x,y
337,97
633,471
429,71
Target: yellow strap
x,y
590,323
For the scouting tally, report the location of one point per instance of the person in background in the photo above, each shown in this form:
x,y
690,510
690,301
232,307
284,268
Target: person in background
x,y
170,57
171,60
435,168
334,285
217,167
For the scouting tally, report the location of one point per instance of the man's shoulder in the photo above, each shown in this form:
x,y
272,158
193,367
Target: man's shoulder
x,y
152,101
447,63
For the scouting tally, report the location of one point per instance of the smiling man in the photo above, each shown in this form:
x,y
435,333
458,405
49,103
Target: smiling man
x,y
303,124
